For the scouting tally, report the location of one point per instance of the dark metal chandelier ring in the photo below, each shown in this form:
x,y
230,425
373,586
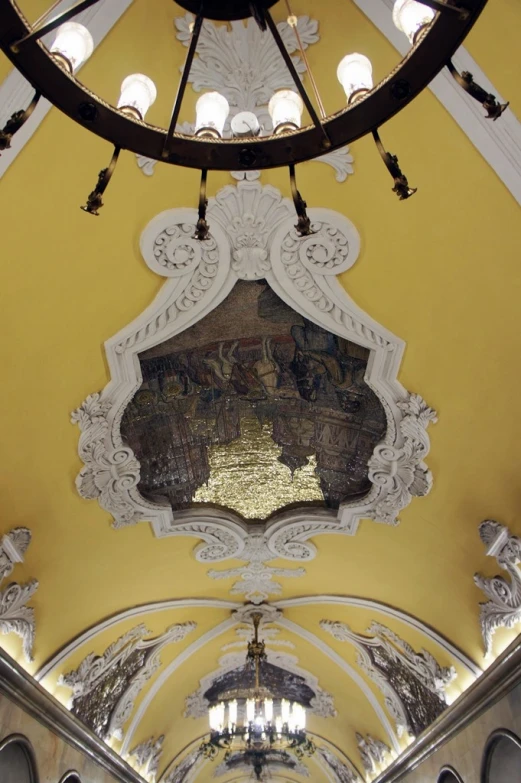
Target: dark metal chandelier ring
x,y
427,57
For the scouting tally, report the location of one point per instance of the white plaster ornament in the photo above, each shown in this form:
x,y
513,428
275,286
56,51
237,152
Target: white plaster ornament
x,y
503,608
252,237
245,66
15,616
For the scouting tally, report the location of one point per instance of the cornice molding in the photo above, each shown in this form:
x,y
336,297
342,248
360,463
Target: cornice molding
x,y
500,142
498,680
19,687
16,92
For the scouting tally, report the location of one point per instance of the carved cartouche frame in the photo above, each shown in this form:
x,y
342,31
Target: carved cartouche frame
x,y
199,276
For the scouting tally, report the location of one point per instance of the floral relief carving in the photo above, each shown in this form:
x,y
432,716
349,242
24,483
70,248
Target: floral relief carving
x,y
373,752
400,470
503,608
184,770
15,616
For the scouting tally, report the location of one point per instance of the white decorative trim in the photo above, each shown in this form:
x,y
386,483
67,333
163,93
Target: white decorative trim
x,y
94,668
498,142
246,67
13,546
57,660
303,274
16,92
388,611
503,609
172,667
147,755
341,773
373,752
16,617
314,640
184,771
422,666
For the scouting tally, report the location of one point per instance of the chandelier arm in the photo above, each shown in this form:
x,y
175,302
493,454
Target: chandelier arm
x,y
15,122
442,6
401,185
304,223
202,229
183,82
47,13
489,102
296,78
94,200
53,24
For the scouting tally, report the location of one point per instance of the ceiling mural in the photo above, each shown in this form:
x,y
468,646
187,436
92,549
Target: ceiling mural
x,y
274,413
258,432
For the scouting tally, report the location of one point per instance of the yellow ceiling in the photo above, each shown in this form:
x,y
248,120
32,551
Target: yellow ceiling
x,y
441,271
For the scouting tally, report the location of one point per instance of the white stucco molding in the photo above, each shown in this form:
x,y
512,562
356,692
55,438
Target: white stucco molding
x,y
252,238
16,92
498,142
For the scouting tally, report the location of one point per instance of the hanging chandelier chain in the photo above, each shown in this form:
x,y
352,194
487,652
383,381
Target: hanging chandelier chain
x,y
293,23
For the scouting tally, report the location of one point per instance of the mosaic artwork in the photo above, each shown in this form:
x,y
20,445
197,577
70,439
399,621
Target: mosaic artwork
x,y
254,409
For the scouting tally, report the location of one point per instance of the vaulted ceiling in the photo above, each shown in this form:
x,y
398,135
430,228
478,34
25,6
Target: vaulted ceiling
x,y
440,272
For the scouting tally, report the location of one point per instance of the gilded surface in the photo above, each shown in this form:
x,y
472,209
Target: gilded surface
x,y
255,409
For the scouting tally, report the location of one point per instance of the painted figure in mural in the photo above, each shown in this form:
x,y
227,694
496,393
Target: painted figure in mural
x,y
270,370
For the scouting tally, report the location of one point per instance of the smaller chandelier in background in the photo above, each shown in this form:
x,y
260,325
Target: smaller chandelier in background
x,y
254,721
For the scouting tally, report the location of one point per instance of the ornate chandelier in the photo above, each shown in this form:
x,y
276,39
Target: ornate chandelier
x,y
254,722
435,29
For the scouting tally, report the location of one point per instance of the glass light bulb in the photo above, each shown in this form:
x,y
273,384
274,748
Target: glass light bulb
x,y
285,108
278,724
138,92
213,718
211,111
74,43
355,73
285,709
410,16
250,710
245,124
268,710
232,714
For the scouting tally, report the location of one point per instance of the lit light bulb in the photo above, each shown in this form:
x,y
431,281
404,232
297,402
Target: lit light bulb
x,y
138,93
232,714
292,719
278,724
268,710
73,45
250,710
285,108
211,111
355,74
285,709
410,17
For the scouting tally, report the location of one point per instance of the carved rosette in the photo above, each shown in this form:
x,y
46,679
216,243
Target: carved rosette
x,y
503,608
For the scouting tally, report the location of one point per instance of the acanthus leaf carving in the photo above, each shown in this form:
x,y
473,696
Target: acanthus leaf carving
x,y
400,471
503,608
373,752
148,756
13,546
184,771
16,617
